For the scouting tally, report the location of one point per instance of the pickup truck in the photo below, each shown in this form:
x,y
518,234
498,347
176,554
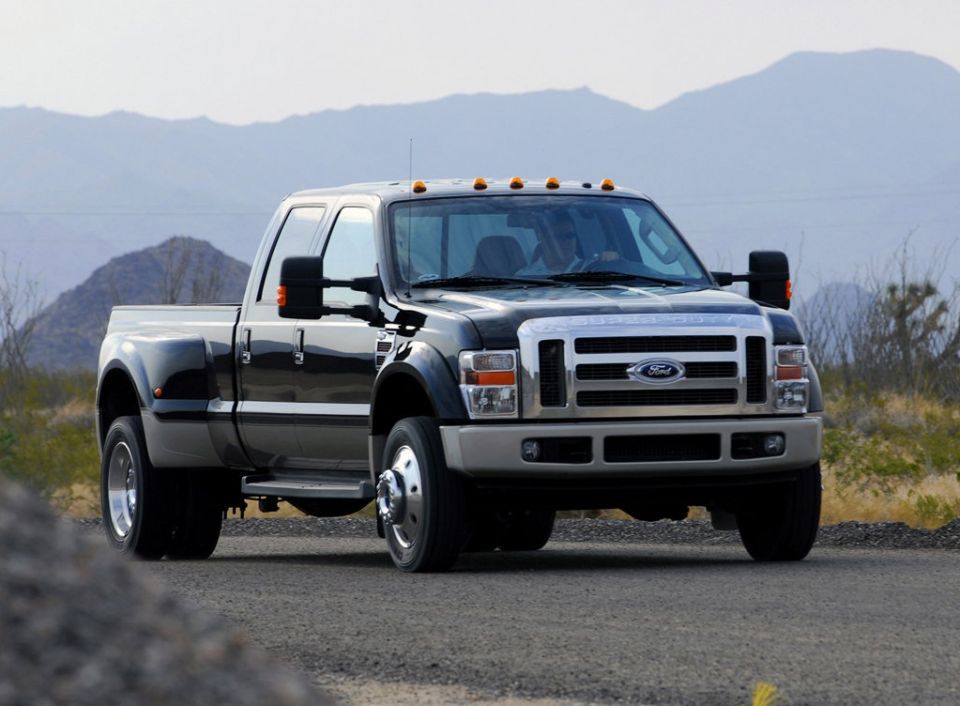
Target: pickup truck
x,y
472,356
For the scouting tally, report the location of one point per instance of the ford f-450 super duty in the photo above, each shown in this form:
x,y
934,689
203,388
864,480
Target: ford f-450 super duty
x,y
472,356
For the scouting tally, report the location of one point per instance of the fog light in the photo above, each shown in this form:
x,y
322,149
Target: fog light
x,y
531,450
774,444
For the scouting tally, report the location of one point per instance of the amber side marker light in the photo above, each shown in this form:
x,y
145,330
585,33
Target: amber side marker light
x,y
553,183
789,290
516,183
282,295
158,392
419,187
479,183
607,185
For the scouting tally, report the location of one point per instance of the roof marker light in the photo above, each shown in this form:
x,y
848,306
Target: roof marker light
x,y
607,185
553,183
516,183
419,187
587,185
479,183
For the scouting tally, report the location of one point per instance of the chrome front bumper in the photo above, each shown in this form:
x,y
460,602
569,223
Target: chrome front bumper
x,y
493,450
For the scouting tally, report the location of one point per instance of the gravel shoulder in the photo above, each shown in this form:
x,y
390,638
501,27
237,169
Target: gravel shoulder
x,y
880,535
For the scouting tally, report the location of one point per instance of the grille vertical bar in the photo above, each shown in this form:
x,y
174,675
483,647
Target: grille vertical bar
x,y
756,370
553,392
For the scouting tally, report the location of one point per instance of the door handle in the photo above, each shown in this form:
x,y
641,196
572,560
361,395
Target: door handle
x,y
298,347
245,355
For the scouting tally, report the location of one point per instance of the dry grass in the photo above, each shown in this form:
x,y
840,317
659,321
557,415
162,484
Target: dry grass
x,y
924,503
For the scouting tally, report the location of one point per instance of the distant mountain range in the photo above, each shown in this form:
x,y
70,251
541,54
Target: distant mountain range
x,y
831,157
180,270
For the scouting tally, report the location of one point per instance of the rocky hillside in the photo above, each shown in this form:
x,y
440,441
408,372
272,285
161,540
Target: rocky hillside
x,y
180,270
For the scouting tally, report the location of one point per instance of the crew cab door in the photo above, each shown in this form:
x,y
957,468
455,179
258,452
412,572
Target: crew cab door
x,y
335,380
266,409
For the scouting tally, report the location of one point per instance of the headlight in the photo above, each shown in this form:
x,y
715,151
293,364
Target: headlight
x,y
790,372
488,382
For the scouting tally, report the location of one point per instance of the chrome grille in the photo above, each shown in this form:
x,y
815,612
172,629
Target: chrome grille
x,y
648,398
580,367
618,371
756,369
656,344
553,392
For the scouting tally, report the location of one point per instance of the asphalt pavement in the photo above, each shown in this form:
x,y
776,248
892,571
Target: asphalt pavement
x,y
594,621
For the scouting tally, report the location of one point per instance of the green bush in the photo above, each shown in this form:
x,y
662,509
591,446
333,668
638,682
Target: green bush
x,y
47,435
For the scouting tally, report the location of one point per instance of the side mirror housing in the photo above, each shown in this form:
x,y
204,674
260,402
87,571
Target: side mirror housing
x,y
768,278
300,294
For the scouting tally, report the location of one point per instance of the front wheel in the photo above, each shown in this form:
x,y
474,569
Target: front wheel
x,y
780,524
421,503
511,530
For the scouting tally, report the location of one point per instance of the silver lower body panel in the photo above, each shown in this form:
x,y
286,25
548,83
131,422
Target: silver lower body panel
x,y
494,450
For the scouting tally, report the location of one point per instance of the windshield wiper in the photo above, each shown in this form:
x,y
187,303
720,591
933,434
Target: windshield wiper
x,y
608,276
481,281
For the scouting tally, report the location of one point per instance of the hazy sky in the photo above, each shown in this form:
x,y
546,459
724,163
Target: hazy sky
x,y
245,61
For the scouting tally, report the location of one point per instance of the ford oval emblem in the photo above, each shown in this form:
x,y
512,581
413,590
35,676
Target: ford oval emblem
x,y
657,371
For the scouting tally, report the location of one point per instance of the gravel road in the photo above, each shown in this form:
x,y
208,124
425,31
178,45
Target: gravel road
x,y
661,613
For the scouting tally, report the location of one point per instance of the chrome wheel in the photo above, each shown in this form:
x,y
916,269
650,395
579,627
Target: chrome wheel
x,y
122,489
400,498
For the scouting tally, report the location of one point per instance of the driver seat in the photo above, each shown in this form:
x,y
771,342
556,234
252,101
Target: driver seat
x,y
498,255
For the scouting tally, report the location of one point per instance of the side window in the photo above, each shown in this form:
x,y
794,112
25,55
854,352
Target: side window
x,y
350,253
295,238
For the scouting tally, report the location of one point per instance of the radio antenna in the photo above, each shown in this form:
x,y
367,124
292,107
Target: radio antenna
x,y
410,219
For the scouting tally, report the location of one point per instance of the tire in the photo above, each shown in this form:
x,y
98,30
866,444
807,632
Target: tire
x,y
422,502
484,532
511,530
135,498
781,523
199,515
527,530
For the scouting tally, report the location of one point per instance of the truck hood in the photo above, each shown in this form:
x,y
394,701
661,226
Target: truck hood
x,y
498,313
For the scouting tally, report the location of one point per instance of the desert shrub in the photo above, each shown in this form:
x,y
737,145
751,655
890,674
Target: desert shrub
x,y
47,434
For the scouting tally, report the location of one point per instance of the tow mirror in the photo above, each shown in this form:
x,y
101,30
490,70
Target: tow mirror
x,y
300,294
768,278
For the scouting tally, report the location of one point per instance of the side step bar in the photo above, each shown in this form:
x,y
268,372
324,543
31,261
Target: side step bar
x,y
314,486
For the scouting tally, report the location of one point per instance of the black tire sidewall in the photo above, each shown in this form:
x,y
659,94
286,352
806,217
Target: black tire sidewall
x,y
439,539
783,526
146,536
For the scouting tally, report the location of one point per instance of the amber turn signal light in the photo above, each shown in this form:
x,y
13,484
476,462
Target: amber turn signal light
x,y
507,377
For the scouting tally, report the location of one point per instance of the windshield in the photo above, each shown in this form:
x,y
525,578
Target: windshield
x,y
538,237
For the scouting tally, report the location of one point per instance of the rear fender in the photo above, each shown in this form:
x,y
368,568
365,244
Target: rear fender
x,y
174,380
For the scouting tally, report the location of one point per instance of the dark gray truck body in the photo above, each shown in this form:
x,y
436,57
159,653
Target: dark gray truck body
x,y
301,409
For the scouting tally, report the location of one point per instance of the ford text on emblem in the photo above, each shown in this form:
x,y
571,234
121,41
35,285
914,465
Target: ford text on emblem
x,y
657,371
